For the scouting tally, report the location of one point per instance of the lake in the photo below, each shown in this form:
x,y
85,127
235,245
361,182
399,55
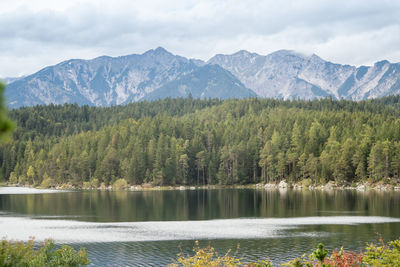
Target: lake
x,y
149,228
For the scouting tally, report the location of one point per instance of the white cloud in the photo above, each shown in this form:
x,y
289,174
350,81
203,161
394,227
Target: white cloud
x,y
39,33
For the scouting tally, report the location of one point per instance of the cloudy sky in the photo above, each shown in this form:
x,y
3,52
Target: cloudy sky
x,y
38,33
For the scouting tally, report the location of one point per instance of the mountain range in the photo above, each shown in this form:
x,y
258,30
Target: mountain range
x,y
158,74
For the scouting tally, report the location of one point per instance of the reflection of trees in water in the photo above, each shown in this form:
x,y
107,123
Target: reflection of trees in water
x,y
203,204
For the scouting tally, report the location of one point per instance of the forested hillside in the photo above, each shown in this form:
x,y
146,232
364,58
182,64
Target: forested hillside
x,y
190,141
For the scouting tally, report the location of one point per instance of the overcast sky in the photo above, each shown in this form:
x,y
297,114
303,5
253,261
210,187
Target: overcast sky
x,y
38,33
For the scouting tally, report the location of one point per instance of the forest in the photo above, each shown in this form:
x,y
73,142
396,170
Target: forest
x,y
205,142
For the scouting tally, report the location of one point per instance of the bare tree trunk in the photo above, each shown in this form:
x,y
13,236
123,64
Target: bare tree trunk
x,y
204,178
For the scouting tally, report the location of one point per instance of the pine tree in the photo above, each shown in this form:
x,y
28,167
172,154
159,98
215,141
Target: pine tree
x,y
376,161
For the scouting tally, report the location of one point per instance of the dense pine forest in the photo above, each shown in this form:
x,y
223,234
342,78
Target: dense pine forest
x,y
201,142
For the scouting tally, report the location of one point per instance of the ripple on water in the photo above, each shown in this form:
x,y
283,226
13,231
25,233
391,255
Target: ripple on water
x,y
68,231
26,190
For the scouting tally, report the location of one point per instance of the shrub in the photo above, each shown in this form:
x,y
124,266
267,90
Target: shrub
x,y
345,258
320,254
103,185
22,179
384,255
208,257
13,178
47,182
94,183
306,182
86,185
18,253
120,184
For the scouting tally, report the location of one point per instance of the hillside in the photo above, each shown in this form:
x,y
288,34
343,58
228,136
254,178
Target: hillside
x,y
189,141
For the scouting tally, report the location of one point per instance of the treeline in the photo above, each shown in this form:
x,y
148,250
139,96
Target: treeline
x,y
189,141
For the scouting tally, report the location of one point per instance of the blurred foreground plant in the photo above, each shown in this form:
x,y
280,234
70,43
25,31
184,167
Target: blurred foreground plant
x,y
18,253
384,255
209,257
6,126
374,255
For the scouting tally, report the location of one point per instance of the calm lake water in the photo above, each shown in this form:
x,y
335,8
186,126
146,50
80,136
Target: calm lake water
x,y
150,228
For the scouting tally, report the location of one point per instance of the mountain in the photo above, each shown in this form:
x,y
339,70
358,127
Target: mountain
x,y
101,81
157,73
287,74
207,81
8,80
105,81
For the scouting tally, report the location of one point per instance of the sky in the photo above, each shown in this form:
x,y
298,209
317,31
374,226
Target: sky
x,y
35,34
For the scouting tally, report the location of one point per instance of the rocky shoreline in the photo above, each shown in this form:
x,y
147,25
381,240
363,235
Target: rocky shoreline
x,y
282,185
360,186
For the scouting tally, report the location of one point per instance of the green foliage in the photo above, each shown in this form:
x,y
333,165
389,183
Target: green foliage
x,y
94,183
31,174
86,185
13,178
18,253
298,262
202,142
306,182
208,257
6,126
316,258
320,254
374,255
22,179
47,182
120,184
383,255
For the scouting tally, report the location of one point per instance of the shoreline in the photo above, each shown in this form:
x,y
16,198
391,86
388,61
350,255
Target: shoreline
x,y
260,186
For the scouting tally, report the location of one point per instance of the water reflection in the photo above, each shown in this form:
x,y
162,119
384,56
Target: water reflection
x,y
130,216
105,206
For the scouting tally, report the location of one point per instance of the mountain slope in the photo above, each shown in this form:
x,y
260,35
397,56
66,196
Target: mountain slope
x,y
287,74
157,74
101,81
209,81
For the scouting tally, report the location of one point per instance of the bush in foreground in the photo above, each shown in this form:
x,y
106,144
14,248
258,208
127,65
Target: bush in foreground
x,y
18,253
208,257
374,255
384,255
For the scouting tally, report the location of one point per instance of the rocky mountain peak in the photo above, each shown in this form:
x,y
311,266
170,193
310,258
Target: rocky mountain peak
x,y
245,53
159,51
158,73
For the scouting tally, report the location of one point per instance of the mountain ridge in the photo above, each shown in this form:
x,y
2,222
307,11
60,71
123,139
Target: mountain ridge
x,y
157,73
289,74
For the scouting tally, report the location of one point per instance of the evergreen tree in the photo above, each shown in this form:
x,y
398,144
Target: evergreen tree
x,y
182,141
